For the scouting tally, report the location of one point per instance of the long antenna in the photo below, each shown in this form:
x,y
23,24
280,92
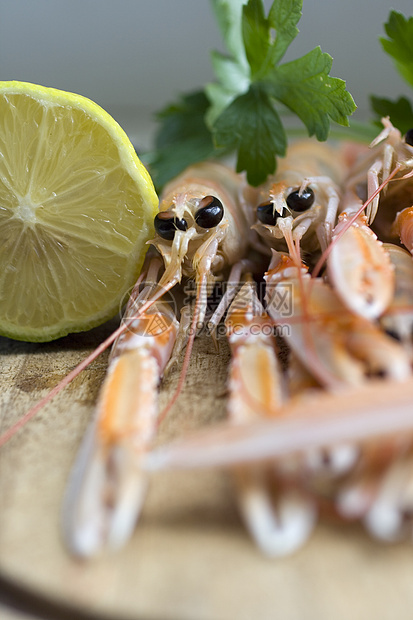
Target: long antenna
x,y
77,370
188,353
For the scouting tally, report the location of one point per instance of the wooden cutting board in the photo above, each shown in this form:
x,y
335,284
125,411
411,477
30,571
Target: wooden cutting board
x,y
190,557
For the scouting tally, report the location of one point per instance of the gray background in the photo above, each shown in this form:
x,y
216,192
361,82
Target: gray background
x,y
133,56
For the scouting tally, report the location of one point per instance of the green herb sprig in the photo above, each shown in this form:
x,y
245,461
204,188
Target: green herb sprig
x,y
399,46
239,111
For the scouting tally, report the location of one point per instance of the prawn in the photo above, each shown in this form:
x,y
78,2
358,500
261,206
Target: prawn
x,y
278,514
330,345
200,229
305,197
345,351
358,262
107,485
336,346
397,321
378,488
403,225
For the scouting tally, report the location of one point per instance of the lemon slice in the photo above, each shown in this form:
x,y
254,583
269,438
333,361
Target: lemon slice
x,y
76,210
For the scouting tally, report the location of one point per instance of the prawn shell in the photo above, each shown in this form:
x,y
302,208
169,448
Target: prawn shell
x,y
403,226
361,271
309,158
255,378
399,316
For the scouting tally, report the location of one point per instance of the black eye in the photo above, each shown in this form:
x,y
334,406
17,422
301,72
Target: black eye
x,y
408,138
301,202
267,214
166,225
211,212
393,334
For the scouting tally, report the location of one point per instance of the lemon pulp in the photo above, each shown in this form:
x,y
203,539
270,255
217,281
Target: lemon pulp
x,y
76,210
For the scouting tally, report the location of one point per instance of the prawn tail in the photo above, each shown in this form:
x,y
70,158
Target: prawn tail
x,y
107,487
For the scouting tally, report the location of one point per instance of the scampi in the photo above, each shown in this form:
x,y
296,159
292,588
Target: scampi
x,y
107,486
278,513
203,232
341,346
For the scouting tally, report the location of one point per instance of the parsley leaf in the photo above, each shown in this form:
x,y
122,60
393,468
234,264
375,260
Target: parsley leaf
x,y
238,111
233,80
263,51
399,45
256,35
228,14
232,72
251,126
183,138
305,87
284,17
400,112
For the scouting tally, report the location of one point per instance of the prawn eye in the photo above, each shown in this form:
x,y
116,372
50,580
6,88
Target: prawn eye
x,y
166,225
301,202
211,212
266,214
408,138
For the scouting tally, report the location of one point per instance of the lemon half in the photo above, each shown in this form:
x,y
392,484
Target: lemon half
x,y
76,210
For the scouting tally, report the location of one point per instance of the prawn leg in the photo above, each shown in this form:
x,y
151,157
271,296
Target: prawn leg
x,y
387,149
389,517
403,227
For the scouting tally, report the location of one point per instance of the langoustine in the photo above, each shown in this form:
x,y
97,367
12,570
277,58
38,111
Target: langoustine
x,y
278,515
107,486
184,256
299,214
357,351
201,229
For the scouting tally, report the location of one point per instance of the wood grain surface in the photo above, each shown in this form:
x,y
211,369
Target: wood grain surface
x,y
190,557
